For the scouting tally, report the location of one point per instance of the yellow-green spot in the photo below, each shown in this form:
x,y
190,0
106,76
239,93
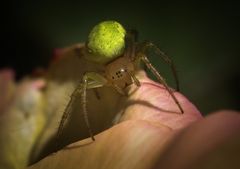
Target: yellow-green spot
x,y
106,41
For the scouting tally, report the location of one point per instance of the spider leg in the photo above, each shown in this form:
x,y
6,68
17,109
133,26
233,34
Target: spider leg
x,y
135,80
67,111
130,40
97,81
90,80
130,51
119,90
140,55
149,45
161,80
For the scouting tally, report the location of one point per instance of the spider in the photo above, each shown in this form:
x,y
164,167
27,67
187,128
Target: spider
x,y
110,45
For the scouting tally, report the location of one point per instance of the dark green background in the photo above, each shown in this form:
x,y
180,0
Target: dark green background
x,y
202,38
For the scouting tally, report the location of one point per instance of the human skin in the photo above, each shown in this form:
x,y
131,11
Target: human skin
x,y
153,134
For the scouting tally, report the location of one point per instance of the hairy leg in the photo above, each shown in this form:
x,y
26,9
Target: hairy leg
x,y
90,80
160,79
149,45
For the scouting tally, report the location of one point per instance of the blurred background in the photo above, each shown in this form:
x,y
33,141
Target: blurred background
x,y
202,39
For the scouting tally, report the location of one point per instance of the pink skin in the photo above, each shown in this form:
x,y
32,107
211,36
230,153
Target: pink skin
x,y
148,137
199,142
165,111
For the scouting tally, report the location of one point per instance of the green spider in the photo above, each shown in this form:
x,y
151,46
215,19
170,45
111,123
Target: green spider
x,y
111,45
